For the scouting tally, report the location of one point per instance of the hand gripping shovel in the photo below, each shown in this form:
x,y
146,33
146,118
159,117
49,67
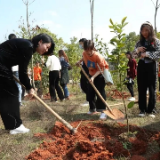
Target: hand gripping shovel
x,y
112,113
73,130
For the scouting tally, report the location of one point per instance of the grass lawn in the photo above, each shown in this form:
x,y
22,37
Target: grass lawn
x,y
40,120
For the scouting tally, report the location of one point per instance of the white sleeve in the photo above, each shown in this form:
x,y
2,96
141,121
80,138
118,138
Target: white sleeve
x,y
60,66
48,63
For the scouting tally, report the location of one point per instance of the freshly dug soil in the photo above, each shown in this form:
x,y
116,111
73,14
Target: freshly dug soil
x,y
93,141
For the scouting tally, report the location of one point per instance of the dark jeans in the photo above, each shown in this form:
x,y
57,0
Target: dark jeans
x,y
38,85
146,78
130,88
159,83
65,90
97,104
54,85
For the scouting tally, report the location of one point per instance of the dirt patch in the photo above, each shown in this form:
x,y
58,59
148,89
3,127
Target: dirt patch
x,y
115,94
136,157
156,156
94,140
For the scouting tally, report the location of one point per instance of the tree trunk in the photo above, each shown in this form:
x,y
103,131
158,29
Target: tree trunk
x,y
92,15
28,27
155,16
27,19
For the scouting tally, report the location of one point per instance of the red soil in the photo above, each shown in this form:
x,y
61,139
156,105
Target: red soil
x,y
136,157
93,141
115,94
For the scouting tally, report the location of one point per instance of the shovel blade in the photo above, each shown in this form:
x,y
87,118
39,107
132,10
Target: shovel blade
x,y
115,114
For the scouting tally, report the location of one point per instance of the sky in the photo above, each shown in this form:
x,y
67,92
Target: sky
x,y
68,18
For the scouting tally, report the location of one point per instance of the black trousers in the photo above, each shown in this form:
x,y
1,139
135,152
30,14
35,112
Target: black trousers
x,y
84,83
54,85
130,88
146,78
9,103
96,104
83,80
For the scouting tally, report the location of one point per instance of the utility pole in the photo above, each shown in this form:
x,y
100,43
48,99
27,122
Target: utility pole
x,y
92,17
26,2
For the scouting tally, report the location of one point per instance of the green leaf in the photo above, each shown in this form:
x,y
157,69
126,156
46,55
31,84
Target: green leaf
x,y
111,27
123,20
111,21
130,105
125,24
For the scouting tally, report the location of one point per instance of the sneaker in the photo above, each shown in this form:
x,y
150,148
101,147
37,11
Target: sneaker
x,y
103,116
151,115
52,100
141,114
20,129
85,104
155,111
132,99
91,113
62,100
21,104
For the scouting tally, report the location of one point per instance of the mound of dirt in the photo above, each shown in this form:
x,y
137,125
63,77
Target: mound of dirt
x,y
93,141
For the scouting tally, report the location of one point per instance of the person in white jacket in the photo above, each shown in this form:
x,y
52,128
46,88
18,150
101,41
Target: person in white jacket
x,y
15,70
16,74
53,64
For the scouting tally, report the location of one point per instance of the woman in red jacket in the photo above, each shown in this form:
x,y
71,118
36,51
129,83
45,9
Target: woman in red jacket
x,y
131,74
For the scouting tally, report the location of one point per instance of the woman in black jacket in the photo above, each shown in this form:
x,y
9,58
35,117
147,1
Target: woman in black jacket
x,y
148,50
18,52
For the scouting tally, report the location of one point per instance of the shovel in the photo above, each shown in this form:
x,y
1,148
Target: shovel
x,y
112,113
73,130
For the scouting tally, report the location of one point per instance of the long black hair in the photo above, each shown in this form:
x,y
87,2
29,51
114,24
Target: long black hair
x,y
45,39
82,40
151,37
129,53
12,36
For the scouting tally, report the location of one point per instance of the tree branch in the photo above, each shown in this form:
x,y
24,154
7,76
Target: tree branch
x,y
153,3
25,2
31,2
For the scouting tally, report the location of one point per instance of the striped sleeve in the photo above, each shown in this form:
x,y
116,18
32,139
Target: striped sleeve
x,y
154,55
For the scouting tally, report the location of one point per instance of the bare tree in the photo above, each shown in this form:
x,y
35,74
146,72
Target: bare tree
x,y
92,16
27,3
155,14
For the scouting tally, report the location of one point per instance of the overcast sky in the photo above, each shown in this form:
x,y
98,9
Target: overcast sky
x,y
68,18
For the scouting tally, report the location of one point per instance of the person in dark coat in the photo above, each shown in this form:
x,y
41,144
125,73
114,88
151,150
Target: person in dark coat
x,y
83,80
64,72
18,52
131,74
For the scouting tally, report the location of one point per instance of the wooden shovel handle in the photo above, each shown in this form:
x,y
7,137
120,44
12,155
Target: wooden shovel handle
x,y
54,113
96,89
47,107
